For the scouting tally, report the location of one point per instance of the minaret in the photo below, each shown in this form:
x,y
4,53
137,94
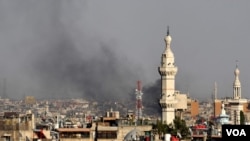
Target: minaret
x,y
215,91
4,89
237,85
47,108
214,98
138,94
236,103
167,71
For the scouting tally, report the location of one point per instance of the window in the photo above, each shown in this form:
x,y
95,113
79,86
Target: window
x,y
107,135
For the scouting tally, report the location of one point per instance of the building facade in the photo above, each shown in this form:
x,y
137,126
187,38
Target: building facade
x,y
16,126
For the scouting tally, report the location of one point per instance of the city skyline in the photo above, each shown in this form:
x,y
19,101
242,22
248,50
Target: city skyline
x,y
125,39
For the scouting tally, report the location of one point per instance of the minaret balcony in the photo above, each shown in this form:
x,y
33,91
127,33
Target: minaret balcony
x,y
237,101
167,103
167,71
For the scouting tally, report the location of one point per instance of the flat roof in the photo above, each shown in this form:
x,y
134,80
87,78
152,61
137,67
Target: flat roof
x,y
73,129
109,118
107,128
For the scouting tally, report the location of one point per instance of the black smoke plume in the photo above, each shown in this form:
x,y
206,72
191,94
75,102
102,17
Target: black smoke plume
x,y
151,96
64,72
48,52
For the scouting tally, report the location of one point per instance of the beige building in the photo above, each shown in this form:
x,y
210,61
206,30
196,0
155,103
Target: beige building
x,y
16,126
30,100
181,101
109,128
181,105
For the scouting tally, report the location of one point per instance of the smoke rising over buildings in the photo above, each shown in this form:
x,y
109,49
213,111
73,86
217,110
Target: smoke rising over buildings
x,y
46,51
102,76
61,48
152,94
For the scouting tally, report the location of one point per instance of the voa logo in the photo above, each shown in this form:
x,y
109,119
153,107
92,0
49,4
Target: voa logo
x,y
236,132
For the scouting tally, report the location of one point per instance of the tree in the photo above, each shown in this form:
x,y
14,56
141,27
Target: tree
x,y
160,128
242,118
181,127
178,126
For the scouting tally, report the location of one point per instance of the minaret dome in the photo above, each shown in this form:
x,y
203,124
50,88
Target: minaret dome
x,y
168,39
168,52
237,71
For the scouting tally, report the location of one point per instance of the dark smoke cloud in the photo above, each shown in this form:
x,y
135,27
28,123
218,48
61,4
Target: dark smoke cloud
x,y
151,96
48,53
103,76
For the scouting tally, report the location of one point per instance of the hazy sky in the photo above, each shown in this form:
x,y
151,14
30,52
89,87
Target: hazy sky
x,y
45,46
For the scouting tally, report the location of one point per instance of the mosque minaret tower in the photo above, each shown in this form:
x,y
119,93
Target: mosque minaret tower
x,y
236,103
237,85
167,71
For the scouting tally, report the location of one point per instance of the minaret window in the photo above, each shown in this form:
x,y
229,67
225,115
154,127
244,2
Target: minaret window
x,y
162,95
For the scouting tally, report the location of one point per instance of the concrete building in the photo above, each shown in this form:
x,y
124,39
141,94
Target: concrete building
x,y
109,128
30,100
192,108
181,105
16,126
217,107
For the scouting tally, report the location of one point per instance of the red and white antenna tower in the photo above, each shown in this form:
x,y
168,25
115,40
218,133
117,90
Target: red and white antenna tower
x,y
138,94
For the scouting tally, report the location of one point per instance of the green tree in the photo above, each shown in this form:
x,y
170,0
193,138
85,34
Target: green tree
x,y
242,118
181,127
177,126
160,128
